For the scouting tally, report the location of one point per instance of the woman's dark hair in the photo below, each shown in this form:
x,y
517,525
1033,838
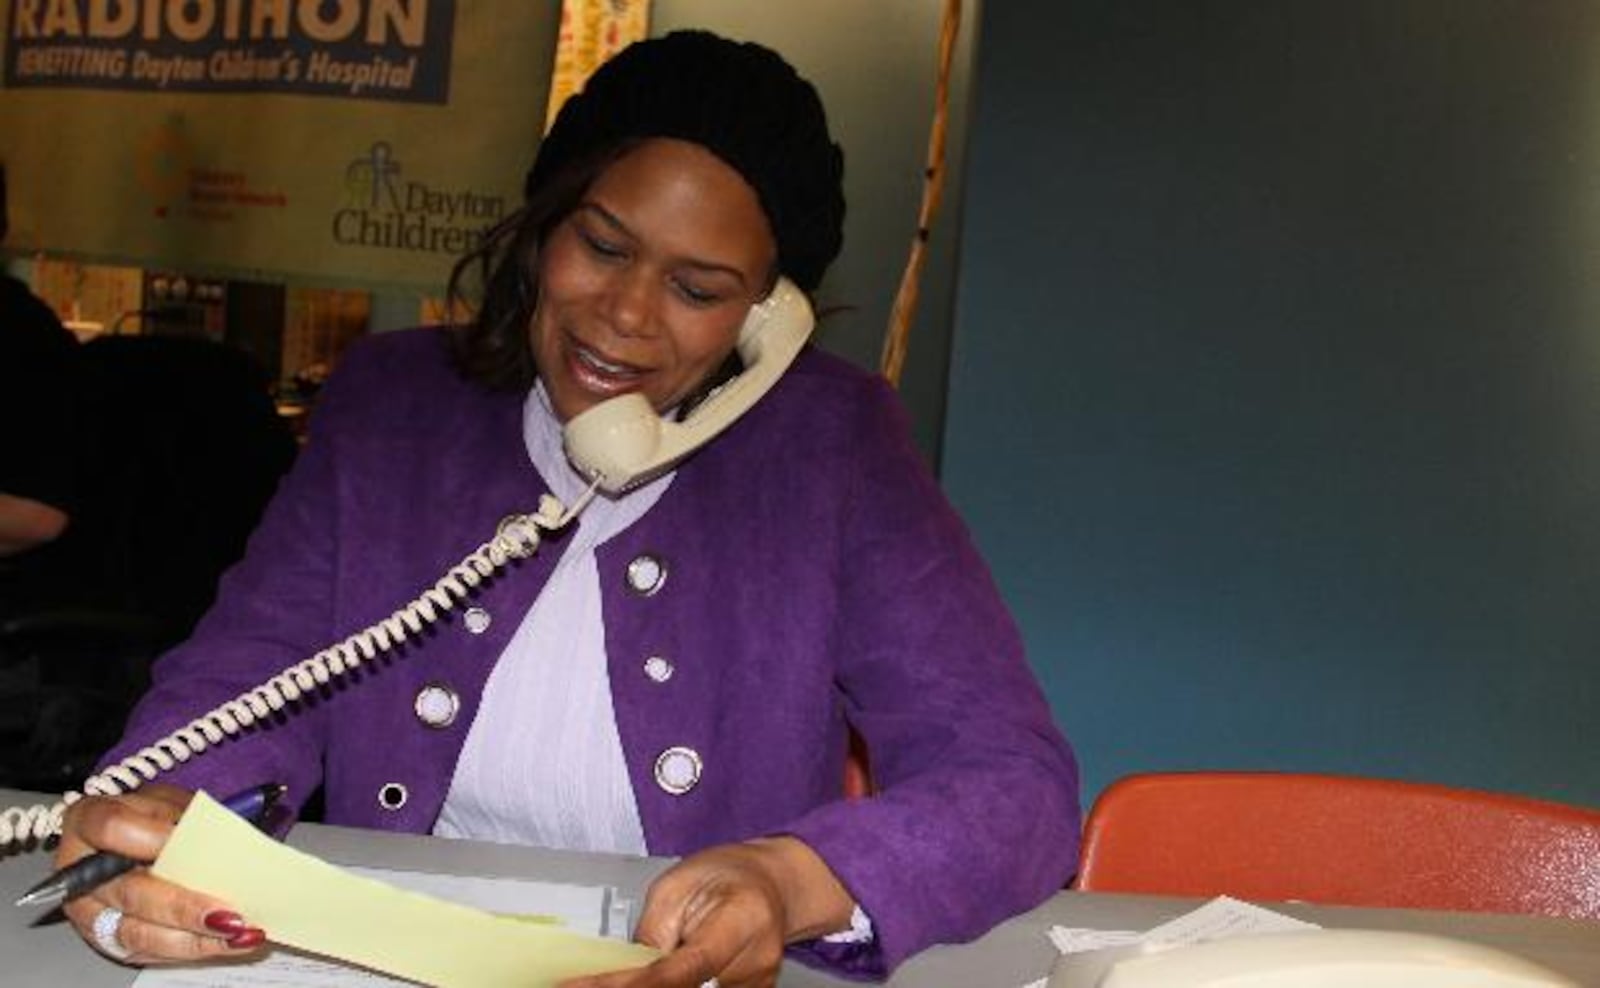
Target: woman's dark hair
x,y
494,348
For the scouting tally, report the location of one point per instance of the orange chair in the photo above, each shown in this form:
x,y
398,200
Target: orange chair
x,y
1341,841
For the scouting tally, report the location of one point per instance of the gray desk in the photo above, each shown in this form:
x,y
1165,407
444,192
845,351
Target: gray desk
x,y
1017,952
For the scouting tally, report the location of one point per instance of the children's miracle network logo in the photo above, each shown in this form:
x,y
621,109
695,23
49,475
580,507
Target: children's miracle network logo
x,y
388,209
181,184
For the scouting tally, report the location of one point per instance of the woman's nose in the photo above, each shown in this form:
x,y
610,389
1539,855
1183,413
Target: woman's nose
x,y
631,301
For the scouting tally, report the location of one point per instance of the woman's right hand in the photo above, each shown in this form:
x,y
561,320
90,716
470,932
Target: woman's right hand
x,y
160,922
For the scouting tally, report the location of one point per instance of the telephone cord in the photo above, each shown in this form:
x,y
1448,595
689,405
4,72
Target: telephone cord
x,y
516,538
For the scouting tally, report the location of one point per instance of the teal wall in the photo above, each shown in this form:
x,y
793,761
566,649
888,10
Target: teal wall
x,y
1275,390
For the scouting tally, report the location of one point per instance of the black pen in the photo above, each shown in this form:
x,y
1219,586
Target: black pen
x,y
95,870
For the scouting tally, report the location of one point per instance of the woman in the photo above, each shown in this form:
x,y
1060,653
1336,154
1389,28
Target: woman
x,y
675,674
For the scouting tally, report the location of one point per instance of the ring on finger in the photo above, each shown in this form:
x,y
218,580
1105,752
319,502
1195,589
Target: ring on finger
x,y
107,924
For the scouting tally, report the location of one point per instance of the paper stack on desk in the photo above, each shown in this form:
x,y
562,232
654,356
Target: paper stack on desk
x,y
311,905
1219,918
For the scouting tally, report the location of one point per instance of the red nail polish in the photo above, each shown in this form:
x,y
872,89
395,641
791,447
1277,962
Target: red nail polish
x,y
247,938
225,921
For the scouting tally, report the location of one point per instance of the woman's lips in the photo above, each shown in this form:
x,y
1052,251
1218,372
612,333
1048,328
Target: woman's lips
x,y
598,375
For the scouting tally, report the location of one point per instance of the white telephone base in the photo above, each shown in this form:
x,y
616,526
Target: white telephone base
x,y
1310,959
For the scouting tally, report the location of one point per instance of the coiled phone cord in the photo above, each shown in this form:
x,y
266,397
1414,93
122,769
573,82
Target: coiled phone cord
x,y
516,538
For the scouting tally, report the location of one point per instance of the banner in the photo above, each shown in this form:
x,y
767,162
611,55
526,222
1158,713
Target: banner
x,y
591,32
356,142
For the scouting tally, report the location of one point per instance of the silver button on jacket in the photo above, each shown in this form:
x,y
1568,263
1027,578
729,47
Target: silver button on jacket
x,y
646,574
476,619
678,770
658,669
437,705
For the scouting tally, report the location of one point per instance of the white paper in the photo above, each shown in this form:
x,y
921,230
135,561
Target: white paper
x,y
1075,940
1220,918
581,908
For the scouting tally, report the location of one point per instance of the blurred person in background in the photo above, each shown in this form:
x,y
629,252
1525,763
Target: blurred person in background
x,y
37,357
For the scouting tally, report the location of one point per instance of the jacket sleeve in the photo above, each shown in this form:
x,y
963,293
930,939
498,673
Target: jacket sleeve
x,y
976,818
273,609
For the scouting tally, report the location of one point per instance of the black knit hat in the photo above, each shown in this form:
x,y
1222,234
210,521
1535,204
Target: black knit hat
x,y
740,101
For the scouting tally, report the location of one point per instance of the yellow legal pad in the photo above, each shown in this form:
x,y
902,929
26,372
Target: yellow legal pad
x,y
304,902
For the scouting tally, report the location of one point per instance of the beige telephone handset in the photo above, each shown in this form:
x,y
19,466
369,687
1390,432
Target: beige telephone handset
x,y
623,443
619,444
1306,959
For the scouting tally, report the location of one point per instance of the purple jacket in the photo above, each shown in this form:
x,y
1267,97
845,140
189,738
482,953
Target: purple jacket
x,y
815,575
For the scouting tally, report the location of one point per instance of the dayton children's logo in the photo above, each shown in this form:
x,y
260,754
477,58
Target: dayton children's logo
x,y
369,182
387,209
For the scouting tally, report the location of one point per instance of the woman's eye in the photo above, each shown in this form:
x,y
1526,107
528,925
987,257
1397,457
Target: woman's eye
x,y
602,247
694,295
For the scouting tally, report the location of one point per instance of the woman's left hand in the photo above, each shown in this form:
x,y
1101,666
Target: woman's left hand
x,y
726,913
